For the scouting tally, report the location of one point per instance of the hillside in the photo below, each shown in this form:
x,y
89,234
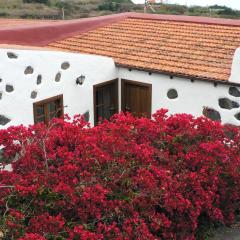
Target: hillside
x,y
69,9
53,9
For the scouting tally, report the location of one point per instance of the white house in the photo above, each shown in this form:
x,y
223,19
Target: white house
x,y
125,62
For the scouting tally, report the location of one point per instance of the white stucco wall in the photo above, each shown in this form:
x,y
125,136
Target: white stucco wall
x,y
235,73
192,96
18,104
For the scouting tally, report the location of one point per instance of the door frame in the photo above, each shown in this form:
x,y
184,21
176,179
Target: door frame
x,y
147,85
95,87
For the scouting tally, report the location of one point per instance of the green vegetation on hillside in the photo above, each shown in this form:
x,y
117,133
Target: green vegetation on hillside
x,y
69,9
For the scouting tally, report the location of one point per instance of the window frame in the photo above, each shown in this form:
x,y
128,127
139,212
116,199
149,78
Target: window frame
x,y
44,103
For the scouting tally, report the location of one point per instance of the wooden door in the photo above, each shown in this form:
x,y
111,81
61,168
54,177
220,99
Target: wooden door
x,y
137,98
105,100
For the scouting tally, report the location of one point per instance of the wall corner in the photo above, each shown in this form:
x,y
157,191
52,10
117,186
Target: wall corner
x,y
235,70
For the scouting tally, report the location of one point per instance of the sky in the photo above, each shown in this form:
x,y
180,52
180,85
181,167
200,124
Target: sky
x,y
235,4
229,3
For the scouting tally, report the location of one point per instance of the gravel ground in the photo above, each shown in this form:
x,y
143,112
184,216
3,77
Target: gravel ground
x,y
227,233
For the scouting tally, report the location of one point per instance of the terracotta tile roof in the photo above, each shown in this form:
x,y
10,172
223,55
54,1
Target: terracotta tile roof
x,y
41,32
201,50
7,23
194,47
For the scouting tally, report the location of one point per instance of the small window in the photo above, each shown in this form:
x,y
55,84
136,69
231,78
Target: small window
x,y
48,109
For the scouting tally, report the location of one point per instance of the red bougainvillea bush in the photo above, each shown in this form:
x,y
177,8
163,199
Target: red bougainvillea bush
x,y
124,179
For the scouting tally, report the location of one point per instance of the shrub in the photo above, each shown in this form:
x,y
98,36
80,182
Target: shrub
x,y
36,1
130,178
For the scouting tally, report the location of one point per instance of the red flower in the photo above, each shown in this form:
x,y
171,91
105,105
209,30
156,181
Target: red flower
x,y
128,178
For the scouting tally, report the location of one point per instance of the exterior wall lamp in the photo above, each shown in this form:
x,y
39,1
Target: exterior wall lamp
x,y
80,80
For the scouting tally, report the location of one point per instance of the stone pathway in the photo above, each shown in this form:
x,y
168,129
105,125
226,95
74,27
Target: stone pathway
x,y
226,233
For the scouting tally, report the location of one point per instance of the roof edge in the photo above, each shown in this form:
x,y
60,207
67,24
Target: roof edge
x,y
180,75
187,19
44,33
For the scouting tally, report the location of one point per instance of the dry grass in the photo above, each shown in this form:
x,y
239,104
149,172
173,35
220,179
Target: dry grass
x,y
73,9
18,9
